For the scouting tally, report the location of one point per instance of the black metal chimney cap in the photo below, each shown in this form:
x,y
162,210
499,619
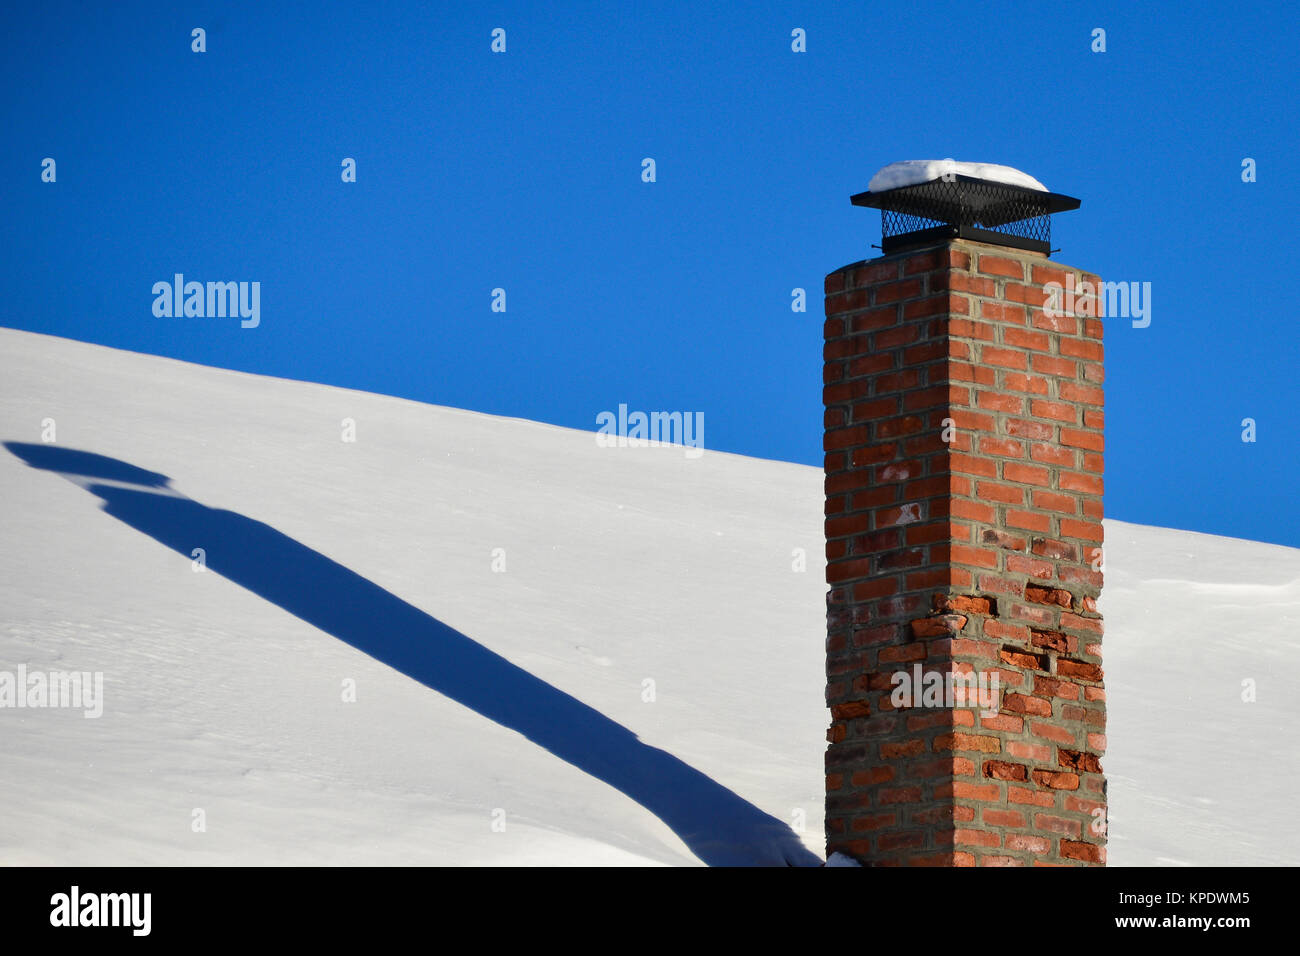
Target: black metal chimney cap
x,y
965,207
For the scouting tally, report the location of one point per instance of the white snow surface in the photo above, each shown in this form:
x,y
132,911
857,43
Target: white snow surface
x,y
910,172
224,689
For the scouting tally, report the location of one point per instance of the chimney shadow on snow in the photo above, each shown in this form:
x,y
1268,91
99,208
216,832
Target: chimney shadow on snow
x,y
718,825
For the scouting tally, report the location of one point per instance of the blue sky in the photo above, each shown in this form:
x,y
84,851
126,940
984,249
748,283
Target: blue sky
x,y
522,171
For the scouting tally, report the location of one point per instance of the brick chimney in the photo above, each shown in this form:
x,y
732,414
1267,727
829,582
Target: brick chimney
x,y
964,438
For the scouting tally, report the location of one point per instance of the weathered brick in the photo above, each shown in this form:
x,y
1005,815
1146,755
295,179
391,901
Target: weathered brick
x,y
970,551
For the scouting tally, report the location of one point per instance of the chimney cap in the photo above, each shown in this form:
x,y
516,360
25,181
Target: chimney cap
x,y
926,201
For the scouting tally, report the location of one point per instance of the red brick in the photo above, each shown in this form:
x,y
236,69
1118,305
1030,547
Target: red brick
x,y
892,338
966,837
1004,358
894,427
902,380
1007,722
1056,781
966,420
1067,324
966,742
927,262
966,372
1052,455
903,654
1059,411
1028,428
1079,761
1002,447
875,320
1088,484
994,491
1051,501
851,710
869,273
1082,348
966,329
1075,438
971,465
877,822
1002,312
1026,474
1034,798
1000,402
1042,275
1045,822
1078,623
1087,852
1081,670
1022,659
1024,339
899,795
870,364
942,859
999,266
939,625
1002,770
846,302
1030,522
910,748
975,556
1081,394
1025,841
972,791
1022,704
973,511
1087,530
908,840
1002,539
1051,365
1024,294
1002,818
1051,732
1058,642
1024,383
897,291
1038,752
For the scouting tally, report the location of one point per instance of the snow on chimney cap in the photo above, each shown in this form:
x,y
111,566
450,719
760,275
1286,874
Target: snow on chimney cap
x,y
911,172
933,200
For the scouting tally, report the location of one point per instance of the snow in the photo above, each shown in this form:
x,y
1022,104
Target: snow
x,y
910,172
521,696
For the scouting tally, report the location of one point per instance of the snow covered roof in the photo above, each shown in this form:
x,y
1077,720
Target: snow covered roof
x,y
339,783
910,172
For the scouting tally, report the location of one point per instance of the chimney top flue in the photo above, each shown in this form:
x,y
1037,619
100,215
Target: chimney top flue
x,y
925,201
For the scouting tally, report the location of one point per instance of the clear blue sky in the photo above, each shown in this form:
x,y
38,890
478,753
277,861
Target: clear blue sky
x,y
522,170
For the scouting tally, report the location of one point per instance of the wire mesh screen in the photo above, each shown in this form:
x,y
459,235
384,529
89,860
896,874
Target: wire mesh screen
x,y
971,203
